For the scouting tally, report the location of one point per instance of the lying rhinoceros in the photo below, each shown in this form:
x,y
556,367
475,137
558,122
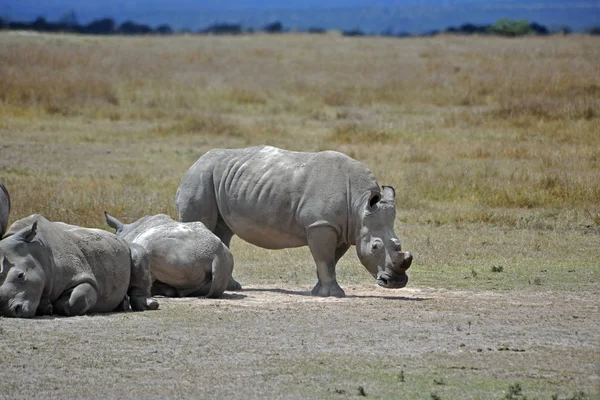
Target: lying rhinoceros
x,y
278,199
4,208
52,267
186,259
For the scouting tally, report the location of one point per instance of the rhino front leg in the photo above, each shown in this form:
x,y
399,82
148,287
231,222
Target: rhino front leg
x,y
76,301
322,242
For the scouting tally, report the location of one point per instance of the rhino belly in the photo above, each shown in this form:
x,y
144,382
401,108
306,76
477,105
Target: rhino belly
x,y
266,231
270,238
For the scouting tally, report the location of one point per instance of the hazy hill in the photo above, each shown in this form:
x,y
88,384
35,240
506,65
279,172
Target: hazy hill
x,y
370,16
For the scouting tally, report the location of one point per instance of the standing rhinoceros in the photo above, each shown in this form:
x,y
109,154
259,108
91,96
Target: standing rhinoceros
x,y
4,209
186,259
51,267
278,199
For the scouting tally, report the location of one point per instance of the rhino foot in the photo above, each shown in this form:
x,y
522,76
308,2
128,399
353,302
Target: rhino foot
x,y
151,303
140,303
329,289
233,285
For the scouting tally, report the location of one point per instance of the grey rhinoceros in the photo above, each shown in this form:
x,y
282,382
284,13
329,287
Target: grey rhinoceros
x,y
277,199
4,209
55,268
186,259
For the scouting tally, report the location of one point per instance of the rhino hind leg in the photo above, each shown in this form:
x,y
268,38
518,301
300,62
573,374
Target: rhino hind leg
x,y
223,232
76,301
322,242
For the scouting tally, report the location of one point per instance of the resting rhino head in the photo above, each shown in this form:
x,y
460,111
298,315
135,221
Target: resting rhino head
x,y
21,276
377,245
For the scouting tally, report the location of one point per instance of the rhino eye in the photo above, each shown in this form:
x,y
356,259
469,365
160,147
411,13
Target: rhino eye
x,y
21,275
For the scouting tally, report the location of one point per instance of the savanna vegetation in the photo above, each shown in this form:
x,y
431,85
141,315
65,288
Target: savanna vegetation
x,y
485,131
492,144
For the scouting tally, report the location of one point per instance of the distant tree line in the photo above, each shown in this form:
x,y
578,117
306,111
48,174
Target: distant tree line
x,y
108,26
102,26
506,27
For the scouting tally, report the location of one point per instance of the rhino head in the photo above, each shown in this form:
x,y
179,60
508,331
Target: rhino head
x,y
22,278
377,245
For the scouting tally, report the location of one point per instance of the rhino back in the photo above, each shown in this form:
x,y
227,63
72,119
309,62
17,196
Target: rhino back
x,y
4,208
269,197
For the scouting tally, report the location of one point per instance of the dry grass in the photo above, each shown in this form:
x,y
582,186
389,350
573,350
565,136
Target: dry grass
x,y
487,131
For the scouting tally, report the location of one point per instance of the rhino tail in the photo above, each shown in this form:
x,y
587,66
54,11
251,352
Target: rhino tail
x,y
113,222
222,267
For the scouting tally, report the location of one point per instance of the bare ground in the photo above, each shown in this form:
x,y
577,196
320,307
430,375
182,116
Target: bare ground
x,y
279,342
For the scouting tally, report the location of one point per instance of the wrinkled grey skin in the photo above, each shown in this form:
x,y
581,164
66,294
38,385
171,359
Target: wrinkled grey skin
x,y
4,208
186,259
55,268
279,199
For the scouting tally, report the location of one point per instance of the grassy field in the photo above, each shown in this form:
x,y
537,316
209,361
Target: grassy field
x,y
492,144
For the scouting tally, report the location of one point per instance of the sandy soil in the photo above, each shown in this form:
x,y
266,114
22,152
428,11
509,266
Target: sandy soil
x,y
270,342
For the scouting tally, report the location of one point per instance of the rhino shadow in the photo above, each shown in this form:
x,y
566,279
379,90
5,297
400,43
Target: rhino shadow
x,y
232,296
403,298
226,296
308,293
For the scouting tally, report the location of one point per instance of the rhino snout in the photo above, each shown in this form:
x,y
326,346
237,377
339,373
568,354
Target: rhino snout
x,y
395,278
392,280
19,310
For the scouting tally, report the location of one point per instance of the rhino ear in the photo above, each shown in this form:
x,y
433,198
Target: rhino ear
x,y
388,193
113,222
374,198
27,234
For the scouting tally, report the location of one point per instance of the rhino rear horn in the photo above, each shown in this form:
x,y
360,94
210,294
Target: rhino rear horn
x,y
113,222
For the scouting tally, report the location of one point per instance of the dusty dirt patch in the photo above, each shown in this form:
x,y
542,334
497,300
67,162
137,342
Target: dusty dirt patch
x,y
276,342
